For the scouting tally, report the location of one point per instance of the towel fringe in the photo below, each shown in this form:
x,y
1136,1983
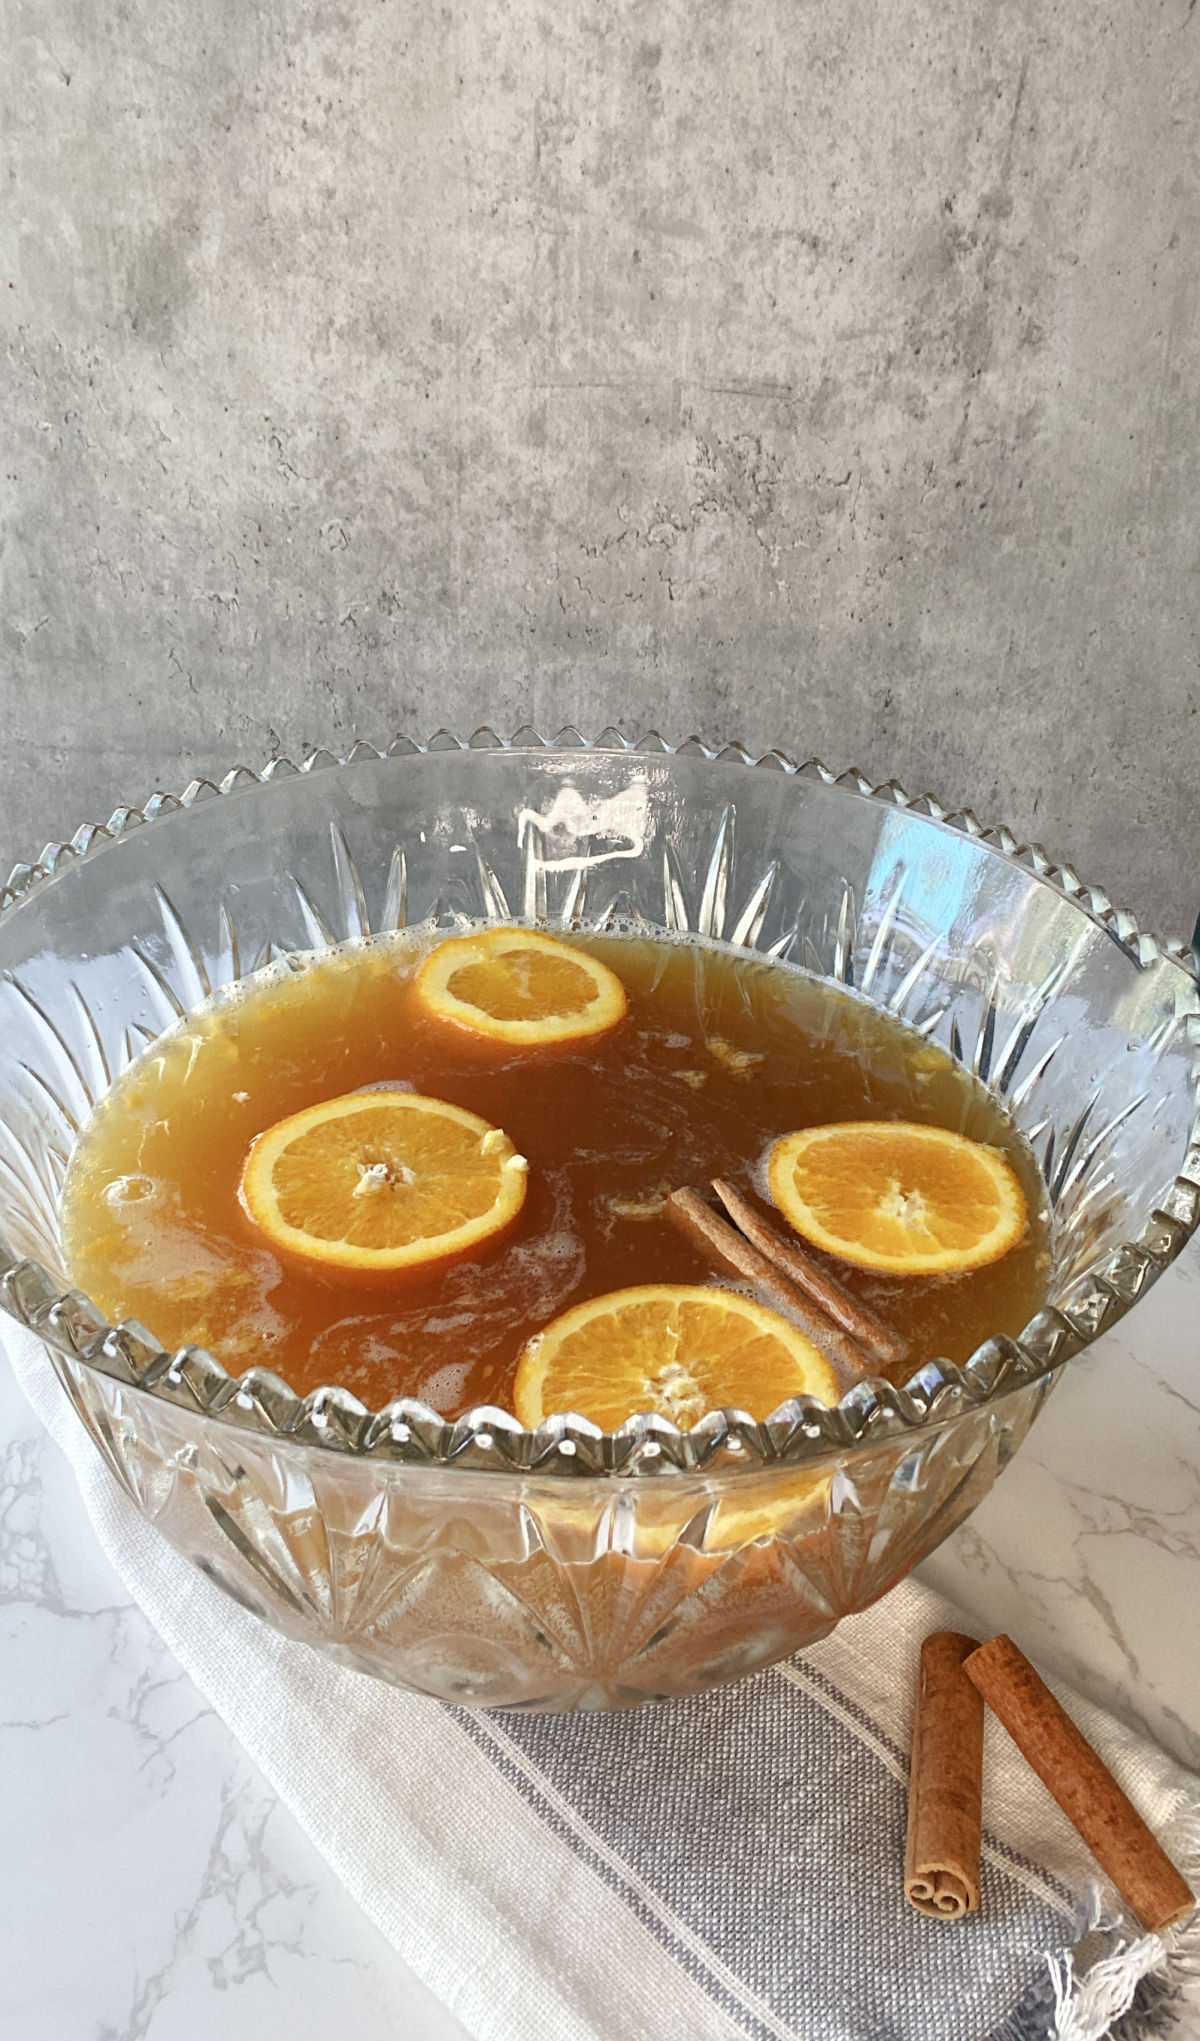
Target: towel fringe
x,y
1087,2007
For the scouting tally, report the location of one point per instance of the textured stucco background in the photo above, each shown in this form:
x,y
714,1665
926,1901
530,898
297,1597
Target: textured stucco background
x,y
823,375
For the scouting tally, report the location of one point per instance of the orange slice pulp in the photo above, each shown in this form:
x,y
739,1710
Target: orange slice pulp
x,y
379,1182
891,1195
676,1348
515,986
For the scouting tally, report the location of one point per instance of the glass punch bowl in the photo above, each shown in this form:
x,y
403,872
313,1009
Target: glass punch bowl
x,y
566,1567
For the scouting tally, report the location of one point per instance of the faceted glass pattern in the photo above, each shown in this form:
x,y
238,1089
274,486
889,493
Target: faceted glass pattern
x,y
567,1567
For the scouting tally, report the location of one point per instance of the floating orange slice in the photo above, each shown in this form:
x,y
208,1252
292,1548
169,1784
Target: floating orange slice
x,y
513,985
674,1348
379,1182
885,1194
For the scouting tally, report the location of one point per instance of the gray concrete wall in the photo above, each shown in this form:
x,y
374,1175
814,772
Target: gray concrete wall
x,y
819,374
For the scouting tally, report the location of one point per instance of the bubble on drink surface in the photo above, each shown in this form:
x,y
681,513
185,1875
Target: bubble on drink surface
x,y
532,1278
444,1387
547,1273
128,1190
371,1348
450,1321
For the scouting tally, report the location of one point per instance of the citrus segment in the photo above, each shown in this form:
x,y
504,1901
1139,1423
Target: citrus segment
x,y
890,1195
675,1348
515,986
381,1182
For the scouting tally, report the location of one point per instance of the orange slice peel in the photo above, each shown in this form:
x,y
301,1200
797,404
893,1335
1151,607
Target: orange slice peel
x,y
378,1183
518,987
899,1197
679,1349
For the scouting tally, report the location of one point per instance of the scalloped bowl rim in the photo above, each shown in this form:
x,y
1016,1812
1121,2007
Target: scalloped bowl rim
x,y
728,1442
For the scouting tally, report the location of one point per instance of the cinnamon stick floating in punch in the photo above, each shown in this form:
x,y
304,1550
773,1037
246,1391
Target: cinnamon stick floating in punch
x,y
1081,1783
877,1339
945,1788
729,1249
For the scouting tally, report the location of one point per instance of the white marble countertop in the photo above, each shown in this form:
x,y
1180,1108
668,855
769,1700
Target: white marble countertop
x,y
152,1888
1088,1548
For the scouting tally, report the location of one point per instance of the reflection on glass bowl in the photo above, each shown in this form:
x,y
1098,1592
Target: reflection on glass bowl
x,y
567,1567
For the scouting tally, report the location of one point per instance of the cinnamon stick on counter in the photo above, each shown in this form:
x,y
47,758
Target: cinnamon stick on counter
x,y
725,1246
945,1791
877,1339
1081,1783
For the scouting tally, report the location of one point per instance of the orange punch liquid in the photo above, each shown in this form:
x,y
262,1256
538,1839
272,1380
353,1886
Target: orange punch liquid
x,y
718,1055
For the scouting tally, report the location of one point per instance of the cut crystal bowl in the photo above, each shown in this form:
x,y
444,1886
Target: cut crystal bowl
x,y
567,1567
